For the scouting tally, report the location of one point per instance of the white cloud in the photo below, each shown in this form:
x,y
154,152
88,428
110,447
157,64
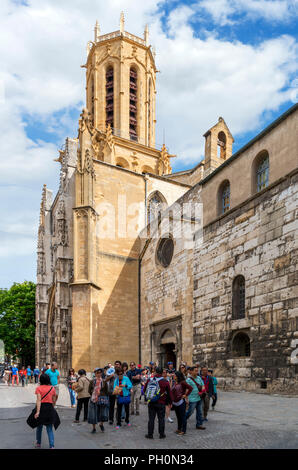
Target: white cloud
x,y
223,11
43,45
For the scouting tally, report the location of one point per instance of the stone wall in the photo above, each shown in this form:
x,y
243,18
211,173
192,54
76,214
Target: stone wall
x,y
259,241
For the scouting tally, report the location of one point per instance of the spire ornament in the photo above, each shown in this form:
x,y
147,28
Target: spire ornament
x,y
96,32
122,22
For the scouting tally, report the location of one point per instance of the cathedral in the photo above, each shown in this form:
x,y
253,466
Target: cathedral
x,y
135,262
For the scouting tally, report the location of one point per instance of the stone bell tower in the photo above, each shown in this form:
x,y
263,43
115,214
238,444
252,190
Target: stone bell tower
x,y
218,146
121,84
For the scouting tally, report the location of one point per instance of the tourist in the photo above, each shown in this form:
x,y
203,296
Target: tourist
x,y
122,387
36,374
158,393
180,390
22,374
71,379
182,369
29,375
171,370
144,378
124,368
98,411
45,412
194,397
14,375
7,374
46,367
83,395
54,375
112,372
214,397
208,383
169,378
152,367
134,376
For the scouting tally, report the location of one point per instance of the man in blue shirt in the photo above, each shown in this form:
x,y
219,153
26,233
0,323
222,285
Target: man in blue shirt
x,y
54,375
29,375
14,375
36,373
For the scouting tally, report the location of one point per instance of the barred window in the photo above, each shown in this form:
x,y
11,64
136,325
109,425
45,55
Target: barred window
x,y
238,301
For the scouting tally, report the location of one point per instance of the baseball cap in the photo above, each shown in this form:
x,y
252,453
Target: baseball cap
x,y
151,363
169,363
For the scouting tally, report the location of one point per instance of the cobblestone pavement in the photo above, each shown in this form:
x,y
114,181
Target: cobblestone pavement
x,y
242,420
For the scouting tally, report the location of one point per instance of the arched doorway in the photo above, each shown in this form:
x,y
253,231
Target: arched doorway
x,y
167,348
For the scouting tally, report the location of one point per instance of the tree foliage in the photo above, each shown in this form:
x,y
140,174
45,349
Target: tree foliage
x,y
17,321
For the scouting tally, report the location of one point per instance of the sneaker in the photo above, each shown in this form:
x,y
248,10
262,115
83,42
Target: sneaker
x,y
52,447
117,427
76,421
205,419
162,436
93,431
177,431
181,433
102,427
170,420
200,427
37,446
148,436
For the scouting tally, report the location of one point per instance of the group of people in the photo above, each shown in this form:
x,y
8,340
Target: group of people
x,y
120,389
13,375
114,393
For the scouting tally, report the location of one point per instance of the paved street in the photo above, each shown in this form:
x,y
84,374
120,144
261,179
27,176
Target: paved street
x,y
242,421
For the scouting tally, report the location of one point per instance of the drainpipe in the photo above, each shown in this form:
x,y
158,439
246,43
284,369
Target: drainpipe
x,y
139,274
139,311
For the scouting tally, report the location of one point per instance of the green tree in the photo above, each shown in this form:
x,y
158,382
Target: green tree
x,y
17,321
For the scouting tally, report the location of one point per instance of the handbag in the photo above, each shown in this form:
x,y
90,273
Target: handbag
x,y
31,421
123,400
117,390
103,401
199,387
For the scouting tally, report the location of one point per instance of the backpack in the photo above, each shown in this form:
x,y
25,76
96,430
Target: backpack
x,y
153,390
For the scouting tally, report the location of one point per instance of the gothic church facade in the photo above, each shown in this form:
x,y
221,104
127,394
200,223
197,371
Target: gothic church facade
x,y
115,276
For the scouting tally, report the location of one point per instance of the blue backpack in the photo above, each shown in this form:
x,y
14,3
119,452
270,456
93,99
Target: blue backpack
x,y
153,390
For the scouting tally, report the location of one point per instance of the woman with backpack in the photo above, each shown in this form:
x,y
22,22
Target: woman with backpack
x,y
99,402
180,390
122,387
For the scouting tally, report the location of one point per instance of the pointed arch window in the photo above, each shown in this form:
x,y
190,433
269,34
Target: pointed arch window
x,y
263,173
133,103
155,207
225,198
238,302
110,96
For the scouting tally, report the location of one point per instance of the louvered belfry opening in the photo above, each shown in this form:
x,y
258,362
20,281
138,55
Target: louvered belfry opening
x,y
133,89
110,97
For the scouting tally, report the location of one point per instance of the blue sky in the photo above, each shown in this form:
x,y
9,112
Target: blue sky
x,y
236,59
